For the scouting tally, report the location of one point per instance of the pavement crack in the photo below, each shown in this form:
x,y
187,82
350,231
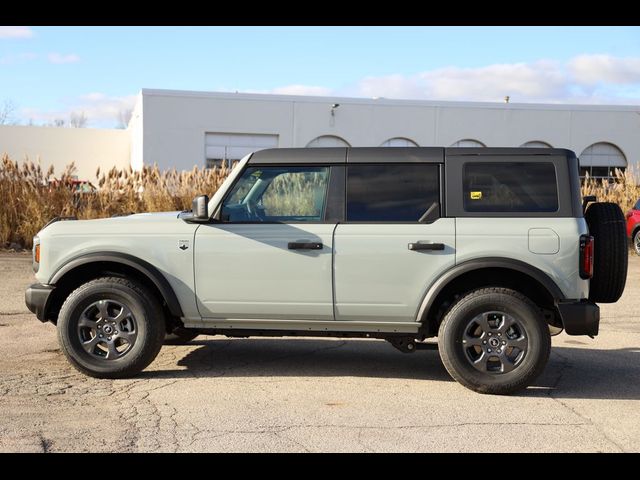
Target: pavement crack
x,y
283,428
588,421
278,434
361,442
45,443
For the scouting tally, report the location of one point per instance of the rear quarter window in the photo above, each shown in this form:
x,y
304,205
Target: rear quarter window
x,y
510,187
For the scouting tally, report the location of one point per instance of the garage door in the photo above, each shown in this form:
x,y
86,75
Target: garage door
x,y
230,147
601,159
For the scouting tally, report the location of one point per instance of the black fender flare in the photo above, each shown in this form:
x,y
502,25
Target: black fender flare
x,y
142,266
479,264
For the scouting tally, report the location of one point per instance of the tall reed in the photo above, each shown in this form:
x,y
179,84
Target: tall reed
x,y
30,195
624,189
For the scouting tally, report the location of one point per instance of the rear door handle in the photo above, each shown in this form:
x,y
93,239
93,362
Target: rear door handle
x,y
426,246
305,246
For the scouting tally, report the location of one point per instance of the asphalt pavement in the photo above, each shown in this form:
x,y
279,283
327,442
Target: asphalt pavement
x,y
312,394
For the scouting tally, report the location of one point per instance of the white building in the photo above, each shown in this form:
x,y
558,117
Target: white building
x,y
180,129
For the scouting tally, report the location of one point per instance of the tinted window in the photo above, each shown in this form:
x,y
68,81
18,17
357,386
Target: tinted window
x,y
278,194
391,193
637,207
510,187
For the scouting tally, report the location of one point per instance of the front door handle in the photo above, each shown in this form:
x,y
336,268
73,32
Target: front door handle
x,y
305,246
426,246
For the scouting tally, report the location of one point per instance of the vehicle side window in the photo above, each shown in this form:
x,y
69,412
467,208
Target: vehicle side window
x,y
510,187
637,207
392,192
278,194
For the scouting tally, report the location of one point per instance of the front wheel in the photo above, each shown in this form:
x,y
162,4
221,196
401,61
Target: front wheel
x,y
494,340
636,242
111,327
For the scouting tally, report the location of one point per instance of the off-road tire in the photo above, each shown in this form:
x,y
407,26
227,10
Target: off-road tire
x,y
611,251
453,353
149,321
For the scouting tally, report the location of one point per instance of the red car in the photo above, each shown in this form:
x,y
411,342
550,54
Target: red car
x,y
633,226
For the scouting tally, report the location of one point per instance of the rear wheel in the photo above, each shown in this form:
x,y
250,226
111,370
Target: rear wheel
x,y
494,340
636,242
111,327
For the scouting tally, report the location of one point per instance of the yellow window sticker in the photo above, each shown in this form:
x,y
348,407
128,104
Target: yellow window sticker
x,y
476,195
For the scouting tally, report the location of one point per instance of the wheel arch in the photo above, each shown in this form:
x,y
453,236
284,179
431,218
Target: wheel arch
x,y
634,231
470,275
92,265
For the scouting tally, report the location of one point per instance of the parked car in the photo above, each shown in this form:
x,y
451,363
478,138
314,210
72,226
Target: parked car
x,y
633,226
81,189
488,249
75,185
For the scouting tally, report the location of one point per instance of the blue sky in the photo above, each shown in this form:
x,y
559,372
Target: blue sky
x,y
49,72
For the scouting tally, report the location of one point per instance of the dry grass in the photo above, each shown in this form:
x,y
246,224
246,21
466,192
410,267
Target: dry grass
x,y
625,190
29,199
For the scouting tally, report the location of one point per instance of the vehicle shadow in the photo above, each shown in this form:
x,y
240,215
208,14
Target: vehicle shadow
x,y
590,373
572,372
278,357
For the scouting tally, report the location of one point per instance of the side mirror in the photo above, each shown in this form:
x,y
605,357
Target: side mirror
x,y
199,207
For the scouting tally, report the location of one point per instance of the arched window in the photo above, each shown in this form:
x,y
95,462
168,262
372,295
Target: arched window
x,y
601,159
399,142
536,144
469,142
328,141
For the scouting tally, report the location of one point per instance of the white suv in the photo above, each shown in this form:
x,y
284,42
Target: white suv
x,y
487,249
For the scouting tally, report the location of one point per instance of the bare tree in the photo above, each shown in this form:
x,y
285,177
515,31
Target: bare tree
x,y
57,122
124,117
7,110
78,120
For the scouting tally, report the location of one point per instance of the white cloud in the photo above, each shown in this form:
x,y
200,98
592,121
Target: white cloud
x,y
539,81
93,97
587,79
59,58
302,90
15,32
101,110
17,58
593,69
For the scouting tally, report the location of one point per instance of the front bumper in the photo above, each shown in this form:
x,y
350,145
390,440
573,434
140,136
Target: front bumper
x,y
37,299
580,317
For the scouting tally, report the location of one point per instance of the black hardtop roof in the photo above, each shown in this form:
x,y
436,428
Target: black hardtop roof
x,y
392,154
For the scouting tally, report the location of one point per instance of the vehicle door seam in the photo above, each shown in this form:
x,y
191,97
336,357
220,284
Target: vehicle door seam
x,y
333,269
